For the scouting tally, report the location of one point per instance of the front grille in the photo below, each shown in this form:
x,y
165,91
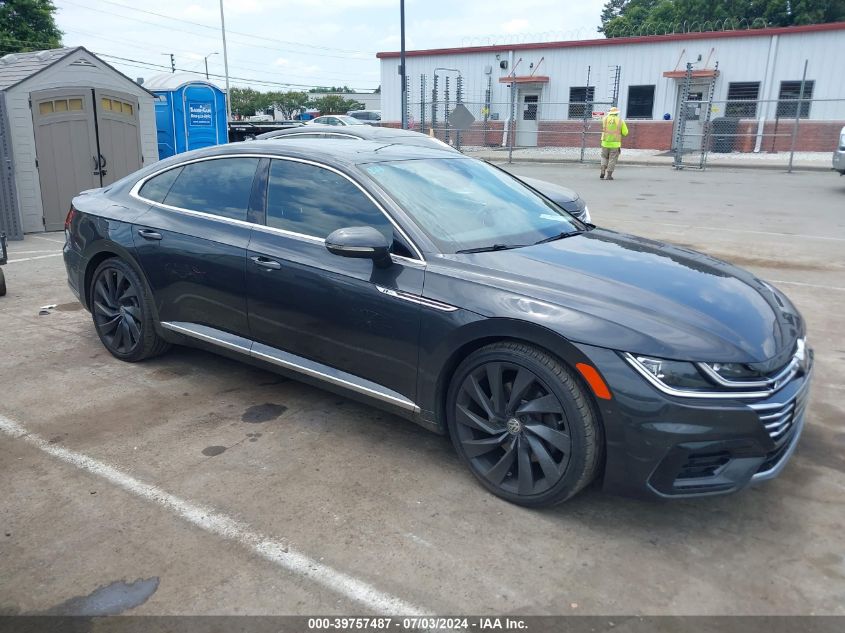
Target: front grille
x,y
779,417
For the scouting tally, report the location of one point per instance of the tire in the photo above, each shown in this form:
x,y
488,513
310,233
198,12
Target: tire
x,y
536,441
122,312
2,283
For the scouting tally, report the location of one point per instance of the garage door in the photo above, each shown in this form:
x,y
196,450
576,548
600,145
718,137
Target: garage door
x,y
84,139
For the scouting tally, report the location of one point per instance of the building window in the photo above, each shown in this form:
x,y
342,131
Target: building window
x,y
581,101
640,102
742,99
789,93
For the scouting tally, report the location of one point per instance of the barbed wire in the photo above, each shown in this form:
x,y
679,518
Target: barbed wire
x,y
619,30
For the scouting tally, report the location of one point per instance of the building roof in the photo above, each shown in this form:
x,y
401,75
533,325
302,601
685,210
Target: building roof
x,y
15,67
166,82
618,41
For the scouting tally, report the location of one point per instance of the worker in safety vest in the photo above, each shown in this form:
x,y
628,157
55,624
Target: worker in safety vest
x,y
613,128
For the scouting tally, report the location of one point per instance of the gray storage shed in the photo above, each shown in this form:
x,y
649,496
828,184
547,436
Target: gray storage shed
x,y
68,122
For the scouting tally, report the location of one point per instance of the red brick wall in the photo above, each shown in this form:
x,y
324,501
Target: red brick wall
x,y
813,136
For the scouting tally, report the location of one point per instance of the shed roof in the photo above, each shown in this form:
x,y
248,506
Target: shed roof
x,y
15,67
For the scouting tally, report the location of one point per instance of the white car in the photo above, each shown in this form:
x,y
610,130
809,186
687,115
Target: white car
x,y
341,120
839,154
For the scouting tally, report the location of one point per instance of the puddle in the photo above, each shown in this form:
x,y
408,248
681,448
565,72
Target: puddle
x,y
212,451
263,413
111,599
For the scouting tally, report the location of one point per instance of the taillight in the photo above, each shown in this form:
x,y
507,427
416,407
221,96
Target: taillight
x,y
70,215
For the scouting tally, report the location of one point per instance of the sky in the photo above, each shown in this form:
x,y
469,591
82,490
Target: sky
x,y
293,45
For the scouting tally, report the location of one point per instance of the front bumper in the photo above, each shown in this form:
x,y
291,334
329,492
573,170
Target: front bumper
x,y
663,446
839,160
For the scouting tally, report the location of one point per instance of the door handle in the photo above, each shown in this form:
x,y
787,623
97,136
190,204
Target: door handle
x,y
102,164
147,234
96,160
266,262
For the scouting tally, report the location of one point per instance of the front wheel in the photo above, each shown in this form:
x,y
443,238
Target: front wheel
x,y
523,424
122,312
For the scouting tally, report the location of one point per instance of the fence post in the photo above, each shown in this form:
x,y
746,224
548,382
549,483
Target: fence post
x,y
512,121
584,117
422,103
434,105
460,99
446,108
797,116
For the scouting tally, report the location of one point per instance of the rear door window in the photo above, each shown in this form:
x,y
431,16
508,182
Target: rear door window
x,y
220,186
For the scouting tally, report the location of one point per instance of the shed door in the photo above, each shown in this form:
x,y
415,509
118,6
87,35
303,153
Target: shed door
x,y
118,134
526,129
66,149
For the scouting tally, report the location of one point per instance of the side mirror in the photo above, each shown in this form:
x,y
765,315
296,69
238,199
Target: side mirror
x,y
362,242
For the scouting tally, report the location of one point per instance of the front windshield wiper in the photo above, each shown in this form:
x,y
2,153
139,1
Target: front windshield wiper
x,y
559,236
494,247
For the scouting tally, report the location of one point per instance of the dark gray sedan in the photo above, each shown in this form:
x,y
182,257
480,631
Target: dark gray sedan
x,y
563,196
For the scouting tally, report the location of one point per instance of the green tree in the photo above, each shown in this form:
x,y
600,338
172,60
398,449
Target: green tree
x,y
621,18
344,89
335,104
288,104
247,101
28,25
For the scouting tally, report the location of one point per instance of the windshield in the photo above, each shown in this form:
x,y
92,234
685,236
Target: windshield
x,y
464,204
350,120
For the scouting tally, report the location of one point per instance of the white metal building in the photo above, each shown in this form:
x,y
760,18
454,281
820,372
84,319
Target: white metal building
x,y
765,64
68,122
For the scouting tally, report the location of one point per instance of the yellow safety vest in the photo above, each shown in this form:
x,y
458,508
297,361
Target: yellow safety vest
x,y
613,128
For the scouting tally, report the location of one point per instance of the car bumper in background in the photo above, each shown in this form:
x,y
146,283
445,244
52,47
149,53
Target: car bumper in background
x,y
662,446
839,160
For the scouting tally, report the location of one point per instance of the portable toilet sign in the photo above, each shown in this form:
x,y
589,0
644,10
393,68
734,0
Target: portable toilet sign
x,y
190,113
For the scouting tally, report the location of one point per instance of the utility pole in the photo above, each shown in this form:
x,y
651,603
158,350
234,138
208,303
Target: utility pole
x,y
402,73
225,64
206,63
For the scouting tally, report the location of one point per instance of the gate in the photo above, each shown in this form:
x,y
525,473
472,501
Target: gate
x,y
693,127
84,139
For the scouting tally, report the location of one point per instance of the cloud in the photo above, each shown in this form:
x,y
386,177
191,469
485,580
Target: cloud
x,y
514,26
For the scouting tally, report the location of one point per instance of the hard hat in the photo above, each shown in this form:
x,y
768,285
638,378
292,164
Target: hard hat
x,y
613,110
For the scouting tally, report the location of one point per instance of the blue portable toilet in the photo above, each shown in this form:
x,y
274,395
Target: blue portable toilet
x,y
190,113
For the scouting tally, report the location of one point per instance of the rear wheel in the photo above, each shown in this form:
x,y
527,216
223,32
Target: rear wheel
x,y
122,313
522,423
2,283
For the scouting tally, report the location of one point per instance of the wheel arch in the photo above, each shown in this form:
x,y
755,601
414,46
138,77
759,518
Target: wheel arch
x,y
478,334
110,250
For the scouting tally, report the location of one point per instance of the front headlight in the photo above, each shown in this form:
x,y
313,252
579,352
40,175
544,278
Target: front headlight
x,y
671,373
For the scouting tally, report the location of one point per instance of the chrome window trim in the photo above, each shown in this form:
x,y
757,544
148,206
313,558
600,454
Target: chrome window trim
x,y
419,300
134,193
186,329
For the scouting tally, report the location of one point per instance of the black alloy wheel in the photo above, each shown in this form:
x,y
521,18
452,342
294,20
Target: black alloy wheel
x,y
524,439
122,316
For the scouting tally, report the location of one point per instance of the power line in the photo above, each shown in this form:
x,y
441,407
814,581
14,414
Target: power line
x,y
250,35
182,30
142,64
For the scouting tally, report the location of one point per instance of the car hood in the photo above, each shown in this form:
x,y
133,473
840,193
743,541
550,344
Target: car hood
x,y
556,192
637,295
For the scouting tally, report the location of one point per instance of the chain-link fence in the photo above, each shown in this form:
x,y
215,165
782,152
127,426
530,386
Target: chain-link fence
x,y
779,132
572,128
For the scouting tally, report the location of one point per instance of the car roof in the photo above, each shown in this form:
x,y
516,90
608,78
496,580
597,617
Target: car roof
x,y
338,152
361,131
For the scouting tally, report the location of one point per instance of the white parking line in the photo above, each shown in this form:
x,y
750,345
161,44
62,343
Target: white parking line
x,y
736,230
31,252
225,527
29,259
41,237
801,283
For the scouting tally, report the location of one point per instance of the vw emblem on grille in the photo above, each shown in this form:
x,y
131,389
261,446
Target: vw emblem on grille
x,y
514,426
